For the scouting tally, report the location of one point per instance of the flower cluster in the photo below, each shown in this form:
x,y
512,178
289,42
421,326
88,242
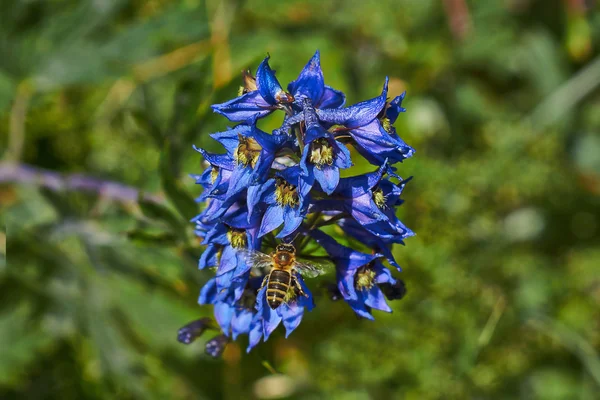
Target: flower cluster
x,y
286,187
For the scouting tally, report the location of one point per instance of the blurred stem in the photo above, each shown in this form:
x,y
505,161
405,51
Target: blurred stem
x,y
220,26
25,174
311,223
572,341
16,138
566,97
331,220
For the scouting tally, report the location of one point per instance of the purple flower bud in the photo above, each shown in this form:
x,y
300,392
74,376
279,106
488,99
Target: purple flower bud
x,y
216,346
192,331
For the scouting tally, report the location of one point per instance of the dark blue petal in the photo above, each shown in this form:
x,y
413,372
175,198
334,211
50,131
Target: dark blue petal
x,y
246,108
357,115
359,307
310,81
331,98
257,193
395,108
346,285
344,257
342,157
269,86
305,301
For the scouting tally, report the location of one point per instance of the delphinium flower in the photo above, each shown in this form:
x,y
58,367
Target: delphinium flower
x,y
280,196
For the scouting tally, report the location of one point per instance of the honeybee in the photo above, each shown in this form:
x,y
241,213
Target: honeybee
x,y
281,277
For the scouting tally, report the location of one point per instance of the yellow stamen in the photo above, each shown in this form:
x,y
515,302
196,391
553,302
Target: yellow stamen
x,y
247,152
365,278
321,153
379,198
286,194
237,238
214,173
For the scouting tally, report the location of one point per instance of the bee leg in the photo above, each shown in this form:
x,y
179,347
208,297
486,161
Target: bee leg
x,y
298,286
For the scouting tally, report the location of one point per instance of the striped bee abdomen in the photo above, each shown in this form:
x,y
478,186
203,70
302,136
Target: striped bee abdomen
x,y
277,287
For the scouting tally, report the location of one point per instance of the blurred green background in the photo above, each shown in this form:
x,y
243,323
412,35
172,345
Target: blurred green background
x,y
101,98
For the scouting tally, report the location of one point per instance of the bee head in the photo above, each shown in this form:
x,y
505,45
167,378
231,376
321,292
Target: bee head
x,y
286,247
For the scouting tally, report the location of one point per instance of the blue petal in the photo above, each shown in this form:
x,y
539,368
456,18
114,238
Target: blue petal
x,y
269,86
345,257
228,260
270,318
256,333
240,323
272,219
208,257
308,301
376,300
357,115
223,313
291,315
342,158
331,98
208,293
246,108
328,177
395,108
256,194
346,287
291,222
310,81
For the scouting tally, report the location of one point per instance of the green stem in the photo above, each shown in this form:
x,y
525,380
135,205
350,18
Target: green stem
x,y
331,220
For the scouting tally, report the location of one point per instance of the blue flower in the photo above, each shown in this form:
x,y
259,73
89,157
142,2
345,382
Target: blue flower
x,y
359,276
322,156
235,231
263,96
369,127
284,200
310,84
287,184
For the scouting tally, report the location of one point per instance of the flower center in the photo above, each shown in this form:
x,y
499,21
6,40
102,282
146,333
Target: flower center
x,y
237,238
387,125
321,152
247,151
283,97
379,198
214,173
364,278
285,193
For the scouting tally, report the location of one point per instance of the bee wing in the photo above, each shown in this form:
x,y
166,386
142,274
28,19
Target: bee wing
x,y
259,261
311,269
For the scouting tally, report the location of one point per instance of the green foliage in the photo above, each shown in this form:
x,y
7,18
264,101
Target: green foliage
x,y
503,276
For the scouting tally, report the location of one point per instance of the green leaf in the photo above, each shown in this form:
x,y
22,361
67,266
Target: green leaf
x,y
160,213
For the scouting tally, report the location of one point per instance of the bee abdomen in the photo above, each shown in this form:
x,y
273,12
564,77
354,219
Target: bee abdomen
x,y
279,282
